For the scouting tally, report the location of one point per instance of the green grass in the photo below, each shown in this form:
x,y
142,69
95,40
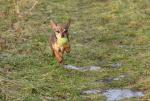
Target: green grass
x,y
107,32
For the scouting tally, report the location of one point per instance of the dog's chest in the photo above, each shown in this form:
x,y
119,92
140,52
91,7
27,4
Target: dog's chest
x,y
57,47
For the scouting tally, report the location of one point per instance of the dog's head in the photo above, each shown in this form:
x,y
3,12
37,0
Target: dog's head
x,y
60,30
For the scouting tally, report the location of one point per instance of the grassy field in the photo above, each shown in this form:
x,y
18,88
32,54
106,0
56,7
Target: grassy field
x,y
103,33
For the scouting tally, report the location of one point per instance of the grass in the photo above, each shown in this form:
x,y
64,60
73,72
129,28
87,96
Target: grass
x,y
103,32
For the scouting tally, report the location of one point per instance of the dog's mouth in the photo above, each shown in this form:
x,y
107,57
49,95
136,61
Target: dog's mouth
x,y
63,34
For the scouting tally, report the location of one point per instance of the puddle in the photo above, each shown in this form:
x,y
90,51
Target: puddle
x,y
116,65
92,91
72,67
94,68
115,94
119,94
111,79
91,68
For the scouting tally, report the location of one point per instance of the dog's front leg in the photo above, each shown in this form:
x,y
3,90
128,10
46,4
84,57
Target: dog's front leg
x,y
58,57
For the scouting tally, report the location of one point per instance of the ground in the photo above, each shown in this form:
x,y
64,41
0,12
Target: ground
x,y
103,33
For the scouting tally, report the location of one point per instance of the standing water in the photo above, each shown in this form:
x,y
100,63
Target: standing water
x,y
119,94
115,94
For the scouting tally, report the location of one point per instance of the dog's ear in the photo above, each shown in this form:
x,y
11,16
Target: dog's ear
x,y
53,25
67,24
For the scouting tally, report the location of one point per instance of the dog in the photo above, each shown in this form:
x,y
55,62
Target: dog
x,y
60,31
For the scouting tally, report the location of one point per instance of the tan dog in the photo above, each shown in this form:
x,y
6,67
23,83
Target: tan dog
x,y
60,31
